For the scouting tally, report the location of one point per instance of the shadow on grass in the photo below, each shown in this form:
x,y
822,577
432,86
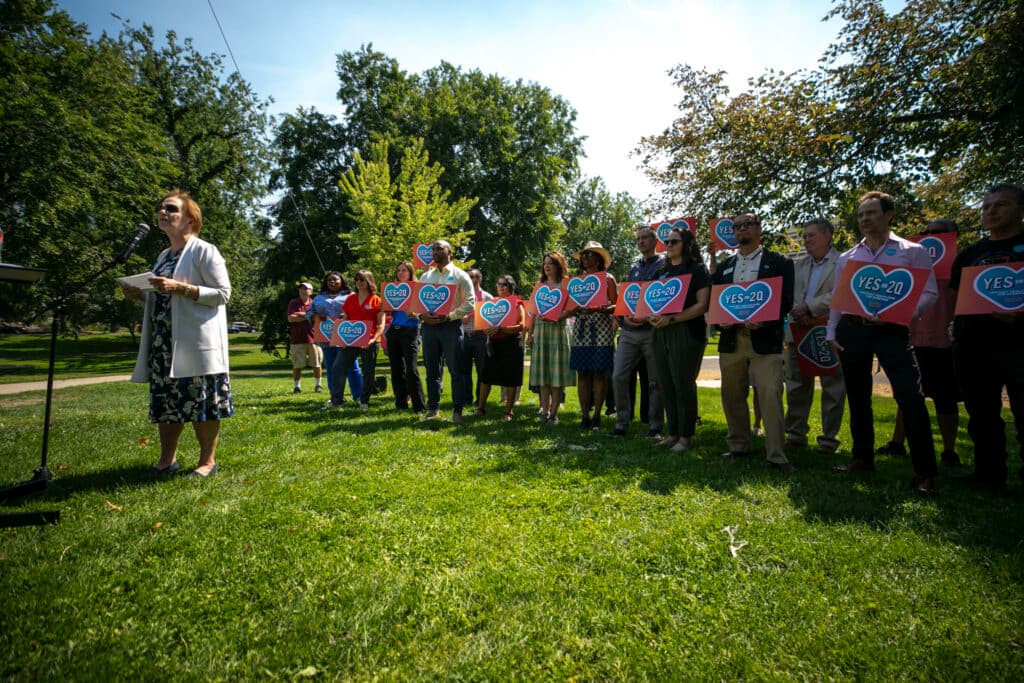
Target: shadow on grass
x,y
63,486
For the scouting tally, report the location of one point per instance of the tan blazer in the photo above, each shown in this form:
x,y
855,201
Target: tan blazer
x,y
822,297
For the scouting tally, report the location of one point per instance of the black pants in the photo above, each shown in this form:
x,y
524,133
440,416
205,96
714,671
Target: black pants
x,y
982,373
891,343
403,350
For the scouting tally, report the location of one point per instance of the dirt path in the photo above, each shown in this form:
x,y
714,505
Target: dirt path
x,y
23,387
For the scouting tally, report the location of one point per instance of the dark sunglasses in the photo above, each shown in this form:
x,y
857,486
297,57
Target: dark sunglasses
x,y
168,208
674,240
745,224
502,283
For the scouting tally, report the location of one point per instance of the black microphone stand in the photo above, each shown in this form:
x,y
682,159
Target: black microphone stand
x,y
42,475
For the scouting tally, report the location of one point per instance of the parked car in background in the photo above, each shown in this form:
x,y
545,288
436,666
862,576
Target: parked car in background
x,y
241,327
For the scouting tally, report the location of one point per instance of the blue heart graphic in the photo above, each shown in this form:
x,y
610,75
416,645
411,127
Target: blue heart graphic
x,y
495,311
547,299
935,247
663,230
631,296
743,301
433,297
1003,286
582,290
326,327
425,253
349,331
396,294
660,294
816,349
878,291
724,231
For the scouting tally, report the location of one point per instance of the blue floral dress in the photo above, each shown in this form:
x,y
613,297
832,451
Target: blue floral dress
x,y
182,399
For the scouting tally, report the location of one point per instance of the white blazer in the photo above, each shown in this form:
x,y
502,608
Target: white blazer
x,y
199,329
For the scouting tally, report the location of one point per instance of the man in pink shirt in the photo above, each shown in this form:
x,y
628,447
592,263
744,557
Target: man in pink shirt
x,y
933,349
858,340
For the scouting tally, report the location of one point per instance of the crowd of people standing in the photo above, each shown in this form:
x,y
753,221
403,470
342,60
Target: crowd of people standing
x,y
950,357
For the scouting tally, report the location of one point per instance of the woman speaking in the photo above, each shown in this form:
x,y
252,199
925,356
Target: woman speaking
x,y
184,349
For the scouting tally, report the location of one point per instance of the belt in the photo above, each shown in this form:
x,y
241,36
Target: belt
x,y
858,320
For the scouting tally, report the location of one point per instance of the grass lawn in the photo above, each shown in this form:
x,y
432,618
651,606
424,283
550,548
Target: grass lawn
x,y
364,545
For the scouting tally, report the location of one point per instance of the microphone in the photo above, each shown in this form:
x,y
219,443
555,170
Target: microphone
x,y
141,230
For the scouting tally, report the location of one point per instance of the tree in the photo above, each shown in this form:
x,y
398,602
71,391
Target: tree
x,y
79,153
927,97
591,212
511,145
393,214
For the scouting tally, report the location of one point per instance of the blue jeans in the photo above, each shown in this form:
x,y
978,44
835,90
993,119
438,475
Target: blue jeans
x,y
335,380
348,360
444,342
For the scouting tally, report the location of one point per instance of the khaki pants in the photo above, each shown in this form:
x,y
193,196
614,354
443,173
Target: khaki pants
x,y
800,396
739,370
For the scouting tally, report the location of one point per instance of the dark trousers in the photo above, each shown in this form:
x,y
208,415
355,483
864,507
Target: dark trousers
x,y
403,352
352,357
443,344
677,358
891,344
474,352
982,373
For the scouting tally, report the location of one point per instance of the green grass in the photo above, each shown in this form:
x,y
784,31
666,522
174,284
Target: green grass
x,y
362,545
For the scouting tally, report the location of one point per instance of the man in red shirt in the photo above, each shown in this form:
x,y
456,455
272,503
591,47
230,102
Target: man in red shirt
x,y
304,352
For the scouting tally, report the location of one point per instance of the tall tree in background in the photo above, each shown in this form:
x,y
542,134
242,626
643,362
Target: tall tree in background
x,y
79,155
391,214
92,130
928,98
512,145
591,212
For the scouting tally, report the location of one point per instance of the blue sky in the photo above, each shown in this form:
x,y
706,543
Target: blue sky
x,y
608,58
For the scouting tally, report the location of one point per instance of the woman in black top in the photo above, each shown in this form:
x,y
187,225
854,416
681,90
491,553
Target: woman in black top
x,y
679,340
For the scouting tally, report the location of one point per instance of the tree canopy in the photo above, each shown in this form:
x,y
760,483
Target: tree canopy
x,y
92,130
923,102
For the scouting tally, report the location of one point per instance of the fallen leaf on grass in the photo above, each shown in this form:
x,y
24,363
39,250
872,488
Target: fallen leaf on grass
x,y
156,525
62,468
309,672
576,447
734,545
114,507
247,549
144,441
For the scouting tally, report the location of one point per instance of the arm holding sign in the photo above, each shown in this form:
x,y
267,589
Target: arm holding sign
x,y
919,258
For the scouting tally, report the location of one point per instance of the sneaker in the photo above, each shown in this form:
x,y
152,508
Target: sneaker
x,y
891,448
654,434
297,390
432,415
318,389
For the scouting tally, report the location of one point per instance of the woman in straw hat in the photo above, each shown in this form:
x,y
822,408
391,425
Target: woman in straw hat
x,y
593,339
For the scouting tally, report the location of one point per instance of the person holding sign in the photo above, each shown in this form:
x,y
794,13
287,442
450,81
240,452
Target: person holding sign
x,y
751,352
593,337
988,336
503,364
442,334
634,345
183,353
679,339
812,291
858,339
933,350
549,341
474,342
403,337
327,306
363,305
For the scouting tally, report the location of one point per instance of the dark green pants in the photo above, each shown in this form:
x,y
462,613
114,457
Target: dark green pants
x,y
677,356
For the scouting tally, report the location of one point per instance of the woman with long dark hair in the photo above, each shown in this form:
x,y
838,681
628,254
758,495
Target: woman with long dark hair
x,y
679,340
503,364
327,304
403,337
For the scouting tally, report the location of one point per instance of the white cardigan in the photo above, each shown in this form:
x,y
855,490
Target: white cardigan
x,y
199,329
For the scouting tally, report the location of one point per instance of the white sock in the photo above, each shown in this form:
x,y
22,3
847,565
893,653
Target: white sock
x,y
319,381
298,383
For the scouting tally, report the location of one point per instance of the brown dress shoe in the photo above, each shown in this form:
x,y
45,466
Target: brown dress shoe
x,y
855,465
